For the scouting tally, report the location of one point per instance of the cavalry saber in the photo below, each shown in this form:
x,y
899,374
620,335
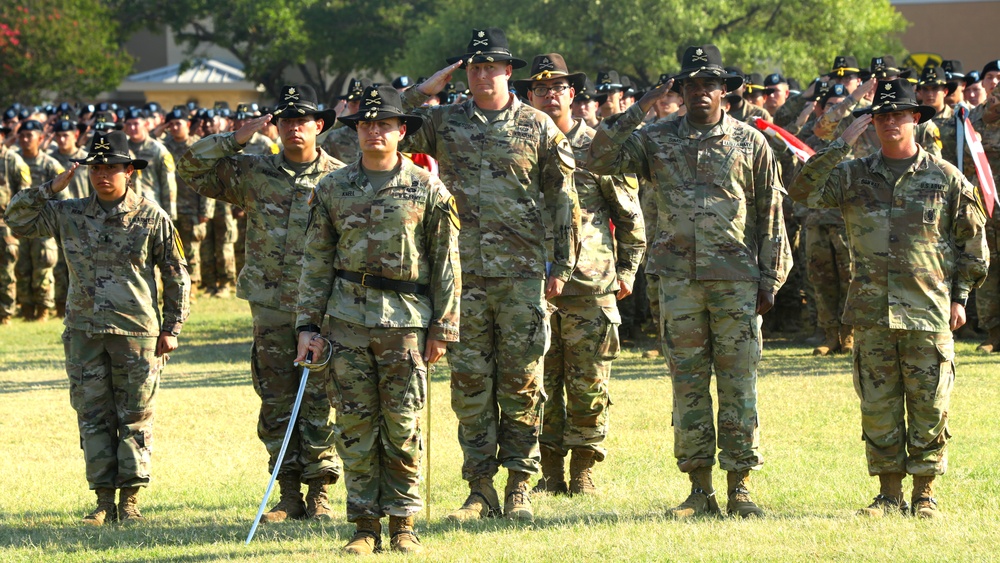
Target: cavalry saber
x,y
428,495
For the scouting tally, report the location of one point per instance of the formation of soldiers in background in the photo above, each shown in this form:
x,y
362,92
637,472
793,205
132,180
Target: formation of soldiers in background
x,y
808,306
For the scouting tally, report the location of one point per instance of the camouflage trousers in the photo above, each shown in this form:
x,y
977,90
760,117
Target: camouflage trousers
x,y
218,267
988,295
192,233
9,247
828,263
60,279
311,451
712,326
378,384
904,380
578,372
35,280
653,296
496,374
113,381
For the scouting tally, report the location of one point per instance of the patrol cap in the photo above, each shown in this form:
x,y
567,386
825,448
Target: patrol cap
x,y
110,147
30,125
896,95
382,102
487,46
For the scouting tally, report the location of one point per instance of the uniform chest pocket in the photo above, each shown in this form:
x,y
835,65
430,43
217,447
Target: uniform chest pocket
x,y
932,200
136,244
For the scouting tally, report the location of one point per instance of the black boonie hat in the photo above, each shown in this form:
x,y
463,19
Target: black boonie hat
x,y
547,67
487,46
299,100
382,102
845,65
705,61
30,125
177,113
110,148
895,95
933,75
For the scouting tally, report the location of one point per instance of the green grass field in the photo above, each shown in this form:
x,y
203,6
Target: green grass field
x,y
209,470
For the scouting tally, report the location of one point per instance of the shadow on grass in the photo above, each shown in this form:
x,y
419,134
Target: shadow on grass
x,y
9,387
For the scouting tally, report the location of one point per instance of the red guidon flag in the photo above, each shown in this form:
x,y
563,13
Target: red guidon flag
x,y
986,184
798,148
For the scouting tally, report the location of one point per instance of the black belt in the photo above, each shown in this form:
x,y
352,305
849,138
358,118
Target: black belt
x,y
376,282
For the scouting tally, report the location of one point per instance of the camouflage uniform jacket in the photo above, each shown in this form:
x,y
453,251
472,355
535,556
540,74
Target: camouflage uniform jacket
x,y
14,177
990,134
277,205
748,112
405,231
189,202
499,179
156,182
111,258
260,144
604,200
789,111
44,169
916,245
343,144
717,202
839,117
79,186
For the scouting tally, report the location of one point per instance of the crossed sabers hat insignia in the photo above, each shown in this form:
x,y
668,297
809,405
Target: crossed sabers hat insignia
x,y
374,102
102,145
699,55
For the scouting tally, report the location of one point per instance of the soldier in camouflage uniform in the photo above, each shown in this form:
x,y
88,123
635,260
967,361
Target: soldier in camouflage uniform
x,y
275,190
258,144
14,177
116,340
585,318
65,136
720,254
986,122
917,239
511,171
381,266
194,211
157,183
38,255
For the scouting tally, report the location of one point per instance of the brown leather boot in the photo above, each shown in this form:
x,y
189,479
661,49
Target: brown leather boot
x,y
517,500
128,506
992,343
367,537
105,513
923,502
702,500
830,344
740,503
889,499
317,502
290,505
847,339
482,501
402,537
41,314
553,477
581,468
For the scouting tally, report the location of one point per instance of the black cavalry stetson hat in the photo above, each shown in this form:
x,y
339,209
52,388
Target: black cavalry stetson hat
x,y
882,68
488,46
110,148
896,95
382,102
705,61
845,65
933,75
547,67
299,100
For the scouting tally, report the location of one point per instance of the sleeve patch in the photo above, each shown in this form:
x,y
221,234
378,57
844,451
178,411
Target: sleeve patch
x,y
453,213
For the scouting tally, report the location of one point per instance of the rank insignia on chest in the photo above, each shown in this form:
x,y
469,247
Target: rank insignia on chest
x,y
378,212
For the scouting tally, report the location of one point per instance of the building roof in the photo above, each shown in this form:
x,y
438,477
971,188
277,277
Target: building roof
x,y
200,74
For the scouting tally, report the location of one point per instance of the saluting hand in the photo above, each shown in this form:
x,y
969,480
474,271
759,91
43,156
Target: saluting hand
x,y
438,80
245,133
866,90
650,97
61,181
854,130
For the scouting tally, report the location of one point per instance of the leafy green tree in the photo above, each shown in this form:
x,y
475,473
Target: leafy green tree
x,y
58,50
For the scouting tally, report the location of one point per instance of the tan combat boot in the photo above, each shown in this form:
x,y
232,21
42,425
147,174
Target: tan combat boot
x,y
517,501
27,312
42,314
581,467
222,292
105,513
128,506
290,505
702,500
553,477
889,499
830,344
4,320
481,503
992,343
367,537
402,537
847,339
924,505
317,502
739,496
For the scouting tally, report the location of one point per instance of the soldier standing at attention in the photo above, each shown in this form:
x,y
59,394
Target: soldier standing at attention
x,y
274,190
511,172
14,177
917,240
38,255
585,320
157,183
720,254
116,343
381,265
